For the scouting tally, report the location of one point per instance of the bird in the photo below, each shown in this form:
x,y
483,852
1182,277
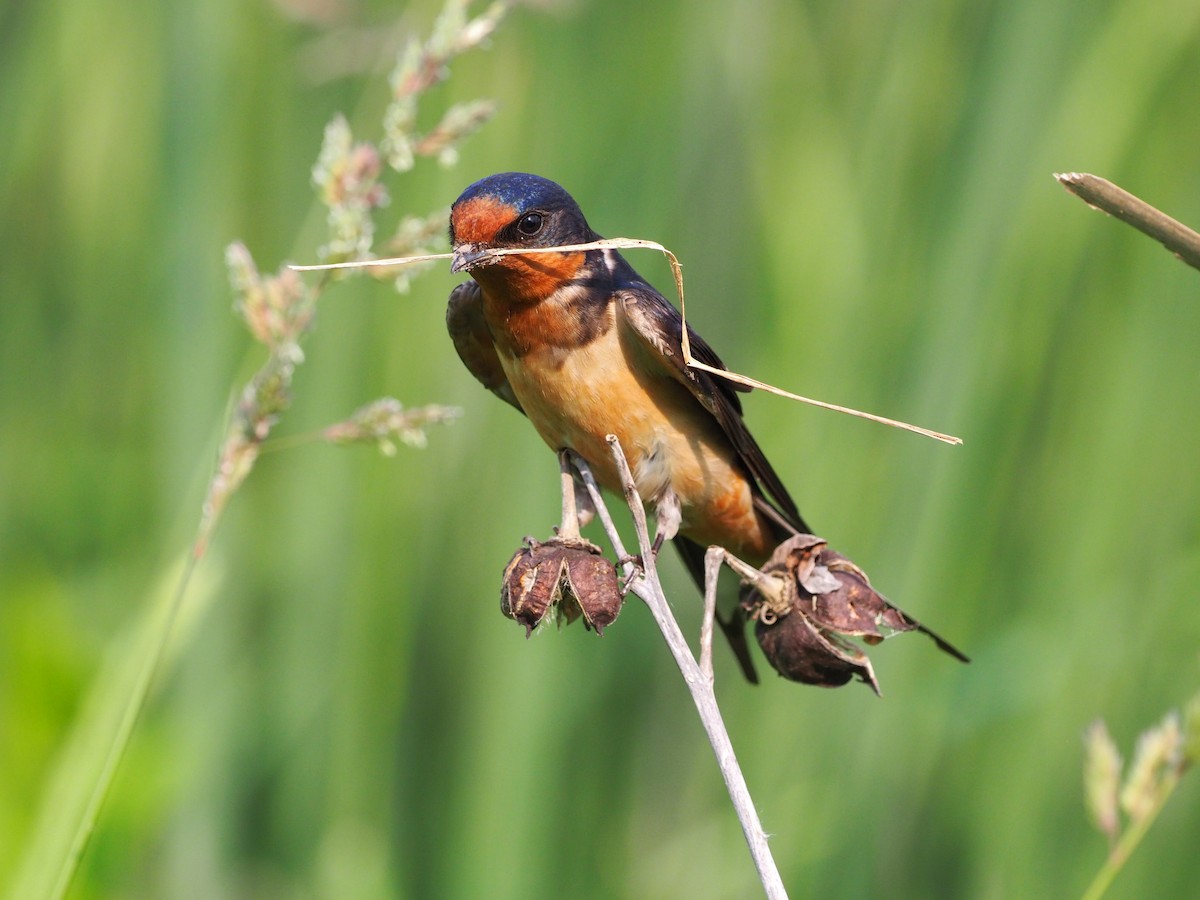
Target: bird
x,y
585,347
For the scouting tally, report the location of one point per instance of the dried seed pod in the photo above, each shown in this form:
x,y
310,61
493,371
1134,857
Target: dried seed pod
x,y
530,586
825,598
567,574
799,651
590,583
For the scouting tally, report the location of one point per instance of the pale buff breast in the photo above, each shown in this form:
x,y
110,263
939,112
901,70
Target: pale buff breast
x,y
576,396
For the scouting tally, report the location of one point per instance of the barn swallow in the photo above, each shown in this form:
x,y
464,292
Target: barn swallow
x,y
583,346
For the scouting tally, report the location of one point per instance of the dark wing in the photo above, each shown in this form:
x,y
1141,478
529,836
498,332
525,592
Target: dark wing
x,y
658,326
473,341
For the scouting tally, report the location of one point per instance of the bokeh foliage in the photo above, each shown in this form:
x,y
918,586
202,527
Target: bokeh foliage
x,y
861,195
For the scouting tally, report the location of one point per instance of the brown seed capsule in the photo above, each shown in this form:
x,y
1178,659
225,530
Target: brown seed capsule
x,y
825,598
569,574
800,651
530,585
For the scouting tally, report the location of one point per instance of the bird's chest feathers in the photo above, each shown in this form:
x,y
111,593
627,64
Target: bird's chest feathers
x,y
569,379
549,329
576,393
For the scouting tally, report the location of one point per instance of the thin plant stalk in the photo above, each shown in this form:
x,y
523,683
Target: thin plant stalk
x,y
697,676
1102,194
279,312
1130,840
129,718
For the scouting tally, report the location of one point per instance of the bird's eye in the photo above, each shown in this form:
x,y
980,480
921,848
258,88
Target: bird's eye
x,y
530,224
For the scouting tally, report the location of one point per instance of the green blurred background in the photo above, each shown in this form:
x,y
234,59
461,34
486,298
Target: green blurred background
x,y
861,195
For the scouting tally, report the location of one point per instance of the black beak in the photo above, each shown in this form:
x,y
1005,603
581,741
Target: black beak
x,y
467,257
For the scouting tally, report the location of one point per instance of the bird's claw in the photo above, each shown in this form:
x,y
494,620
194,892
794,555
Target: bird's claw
x,y
638,570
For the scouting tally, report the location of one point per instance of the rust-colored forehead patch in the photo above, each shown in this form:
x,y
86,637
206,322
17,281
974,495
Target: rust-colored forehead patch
x,y
479,219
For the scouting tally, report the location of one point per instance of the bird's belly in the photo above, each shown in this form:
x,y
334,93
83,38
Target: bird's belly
x,y
575,399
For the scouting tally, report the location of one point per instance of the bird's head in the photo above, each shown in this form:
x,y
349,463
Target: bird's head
x,y
517,210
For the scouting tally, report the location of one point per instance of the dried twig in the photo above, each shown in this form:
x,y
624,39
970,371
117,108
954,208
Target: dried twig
x,y
677,274
569,527
1106,196
697,675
